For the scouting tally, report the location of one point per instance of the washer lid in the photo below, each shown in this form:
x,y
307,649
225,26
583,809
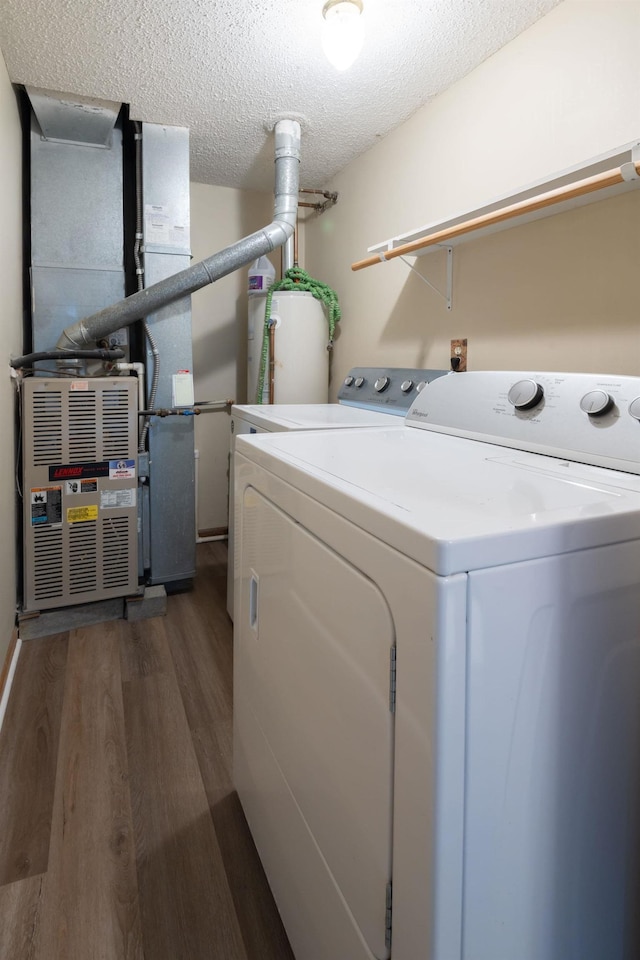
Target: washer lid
x,y
308,416
450,503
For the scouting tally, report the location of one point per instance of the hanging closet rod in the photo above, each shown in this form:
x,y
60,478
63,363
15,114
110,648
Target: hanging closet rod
x,y
611,178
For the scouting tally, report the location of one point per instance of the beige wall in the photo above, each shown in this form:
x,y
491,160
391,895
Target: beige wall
x,y
11,286
560,293
220,216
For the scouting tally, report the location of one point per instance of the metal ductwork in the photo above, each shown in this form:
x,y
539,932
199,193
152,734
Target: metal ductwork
x,y
80,172
287,159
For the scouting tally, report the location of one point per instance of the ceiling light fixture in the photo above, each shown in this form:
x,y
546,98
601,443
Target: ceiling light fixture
x,y
343,32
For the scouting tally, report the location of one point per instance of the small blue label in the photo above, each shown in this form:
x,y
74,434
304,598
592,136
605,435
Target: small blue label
x,y
119,469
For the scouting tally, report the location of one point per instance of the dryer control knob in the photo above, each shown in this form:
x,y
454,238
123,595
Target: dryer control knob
x,y
406,385
359,381
525,394
634,408
596,403
381,384
348,381
421,386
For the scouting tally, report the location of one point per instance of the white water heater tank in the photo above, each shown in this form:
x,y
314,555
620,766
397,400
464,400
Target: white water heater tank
x,y
301,356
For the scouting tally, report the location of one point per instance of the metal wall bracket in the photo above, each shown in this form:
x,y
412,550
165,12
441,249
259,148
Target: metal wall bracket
x,y
448,295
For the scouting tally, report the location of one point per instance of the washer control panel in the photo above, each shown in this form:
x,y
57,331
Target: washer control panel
x,y
589,418
390,389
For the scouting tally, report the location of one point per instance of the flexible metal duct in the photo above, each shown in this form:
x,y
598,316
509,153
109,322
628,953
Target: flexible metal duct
x,y
141,304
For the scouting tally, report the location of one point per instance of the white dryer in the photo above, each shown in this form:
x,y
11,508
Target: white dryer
x,y
368,397
436,674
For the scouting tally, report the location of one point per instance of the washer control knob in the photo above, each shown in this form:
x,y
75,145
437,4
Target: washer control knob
x,y
381,384
348,381
634,408
406,386
359,381
525,394
596,403
420,387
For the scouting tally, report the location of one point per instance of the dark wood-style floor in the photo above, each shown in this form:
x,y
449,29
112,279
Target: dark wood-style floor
x,y
121,836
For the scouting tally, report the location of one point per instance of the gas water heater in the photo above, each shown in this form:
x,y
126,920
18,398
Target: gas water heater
x,y
300,364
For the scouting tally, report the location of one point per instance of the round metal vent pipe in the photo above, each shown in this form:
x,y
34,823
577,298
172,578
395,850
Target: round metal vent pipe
x,y
275,234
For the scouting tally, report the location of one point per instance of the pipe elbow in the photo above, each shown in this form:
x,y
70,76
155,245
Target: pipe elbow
x,y
278,232
73,338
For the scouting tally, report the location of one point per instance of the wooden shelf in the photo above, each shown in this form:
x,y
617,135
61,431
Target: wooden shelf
x,y
605,176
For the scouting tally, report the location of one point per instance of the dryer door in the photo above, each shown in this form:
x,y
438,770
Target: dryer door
x,y
239,427
313,720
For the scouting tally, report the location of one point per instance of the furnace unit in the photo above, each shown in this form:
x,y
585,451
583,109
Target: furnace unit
x,y
109,506
80,490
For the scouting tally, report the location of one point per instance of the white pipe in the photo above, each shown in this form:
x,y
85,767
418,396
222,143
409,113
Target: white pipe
x,y
138,369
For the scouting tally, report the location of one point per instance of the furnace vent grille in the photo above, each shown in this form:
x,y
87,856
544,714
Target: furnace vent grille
x,y
115,419
83,446
47,428
47,562
83,559
115,552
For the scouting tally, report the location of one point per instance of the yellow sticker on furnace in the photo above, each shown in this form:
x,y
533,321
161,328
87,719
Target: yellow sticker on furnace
x,y
82,514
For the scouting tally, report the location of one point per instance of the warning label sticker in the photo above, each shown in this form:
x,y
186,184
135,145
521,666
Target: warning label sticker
x,y
122,469
72,487
117,498
82,514
159,227
46,505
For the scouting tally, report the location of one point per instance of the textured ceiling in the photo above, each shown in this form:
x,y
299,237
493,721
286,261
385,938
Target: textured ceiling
x,y
227,69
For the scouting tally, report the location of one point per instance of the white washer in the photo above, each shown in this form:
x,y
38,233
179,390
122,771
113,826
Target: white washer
x,y
436,675
368,397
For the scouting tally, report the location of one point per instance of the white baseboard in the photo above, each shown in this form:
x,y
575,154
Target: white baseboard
x,y
9,680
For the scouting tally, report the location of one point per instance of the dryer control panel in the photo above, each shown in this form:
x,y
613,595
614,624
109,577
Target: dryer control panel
x,y
589,418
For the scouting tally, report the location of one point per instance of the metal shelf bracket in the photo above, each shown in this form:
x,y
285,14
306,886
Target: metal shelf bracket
x,y
448,295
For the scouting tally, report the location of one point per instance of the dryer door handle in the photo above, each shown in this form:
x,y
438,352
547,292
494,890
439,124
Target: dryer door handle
x,y
253,600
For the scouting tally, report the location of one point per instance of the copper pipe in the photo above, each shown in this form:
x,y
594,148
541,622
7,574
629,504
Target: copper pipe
x,y
320,193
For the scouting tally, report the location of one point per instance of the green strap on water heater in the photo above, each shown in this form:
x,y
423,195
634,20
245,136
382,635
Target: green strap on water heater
x,y
297,280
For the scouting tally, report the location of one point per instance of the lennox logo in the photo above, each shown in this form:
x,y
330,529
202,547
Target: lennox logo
x,y
74,471
66,472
